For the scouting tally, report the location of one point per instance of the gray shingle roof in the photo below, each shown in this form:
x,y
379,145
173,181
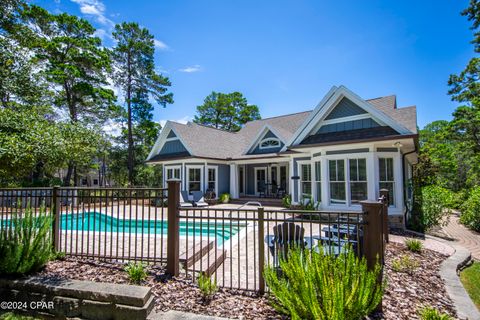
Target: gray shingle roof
x,y
207,142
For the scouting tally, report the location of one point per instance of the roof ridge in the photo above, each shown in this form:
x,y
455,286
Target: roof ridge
x,y
209,127
388,95
281,116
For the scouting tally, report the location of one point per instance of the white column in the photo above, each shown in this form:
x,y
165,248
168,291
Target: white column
x,y
233,181
372,176
397,163
290,180
325,182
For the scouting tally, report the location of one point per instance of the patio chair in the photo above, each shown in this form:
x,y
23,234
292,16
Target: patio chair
x,y
286,236
184,200
262,189
198,199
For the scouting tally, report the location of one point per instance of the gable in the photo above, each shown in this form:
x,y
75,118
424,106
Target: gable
x,y
173,147
348,125
268,143
171,134
345,108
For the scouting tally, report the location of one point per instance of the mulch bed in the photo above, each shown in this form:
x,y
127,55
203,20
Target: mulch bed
x,y
405,294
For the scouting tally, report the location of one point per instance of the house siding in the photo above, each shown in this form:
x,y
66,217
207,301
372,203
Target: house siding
x,y
348,125
223,178
172,147
345,108
257,149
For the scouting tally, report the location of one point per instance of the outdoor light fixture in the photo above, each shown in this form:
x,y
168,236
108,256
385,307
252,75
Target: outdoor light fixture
x,y
398,144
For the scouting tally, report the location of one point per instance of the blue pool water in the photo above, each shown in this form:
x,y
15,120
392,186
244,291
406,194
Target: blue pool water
x,y
99,222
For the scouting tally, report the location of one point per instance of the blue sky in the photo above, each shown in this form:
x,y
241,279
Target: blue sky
x,y
285,55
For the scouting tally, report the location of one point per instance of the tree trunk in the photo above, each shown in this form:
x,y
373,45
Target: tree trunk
x,y
68,177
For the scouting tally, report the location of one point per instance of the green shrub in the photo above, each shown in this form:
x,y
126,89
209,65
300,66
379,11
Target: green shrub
x,y
14,316
405,264
435,206
136,272
307,203
429,313
225,198
313,285
207,286
414,245
287,201
26,242
471,210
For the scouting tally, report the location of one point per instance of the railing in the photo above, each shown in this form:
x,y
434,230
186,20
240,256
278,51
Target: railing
x,y
108,223
232,245
235,245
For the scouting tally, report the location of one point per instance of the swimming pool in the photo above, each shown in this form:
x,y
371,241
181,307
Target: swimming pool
x,y
100,222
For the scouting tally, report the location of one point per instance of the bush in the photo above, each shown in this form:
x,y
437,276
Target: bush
x,y
207,286
313,285
471,210
26,242
287,201
435,206
225,198
414,245
308,204
405,264
136,272
429,313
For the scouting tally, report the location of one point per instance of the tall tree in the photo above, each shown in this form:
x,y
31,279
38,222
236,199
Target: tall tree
x,y
75,65
135,74
227,111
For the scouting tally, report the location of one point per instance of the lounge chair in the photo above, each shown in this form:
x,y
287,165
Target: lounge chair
x,y
198,199
184,200
287,235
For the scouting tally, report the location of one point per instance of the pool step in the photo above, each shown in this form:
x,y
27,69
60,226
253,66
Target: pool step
x,y
196,253
211,262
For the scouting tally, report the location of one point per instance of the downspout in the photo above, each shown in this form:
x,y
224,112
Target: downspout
x,y
405,200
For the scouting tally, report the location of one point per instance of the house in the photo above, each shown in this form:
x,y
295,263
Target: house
x,y
342,152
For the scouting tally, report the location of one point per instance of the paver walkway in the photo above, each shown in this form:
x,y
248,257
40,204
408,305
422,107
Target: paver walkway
x,y
463,236
428,243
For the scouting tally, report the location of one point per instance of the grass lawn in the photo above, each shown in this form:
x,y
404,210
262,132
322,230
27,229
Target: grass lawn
x,y
13,316
471,281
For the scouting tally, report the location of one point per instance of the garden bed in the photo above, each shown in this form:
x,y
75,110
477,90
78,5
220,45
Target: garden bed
x,y
405,294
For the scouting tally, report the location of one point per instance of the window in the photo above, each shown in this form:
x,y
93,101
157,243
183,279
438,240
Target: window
x,y
387,179
95,182
173,173
358,180
269,143
318,181
212,179
194,179
305,180
336,169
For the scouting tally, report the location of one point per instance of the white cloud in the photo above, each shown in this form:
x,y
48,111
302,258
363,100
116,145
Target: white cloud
x,y
112,128
190,69
160,45
94,8
101,33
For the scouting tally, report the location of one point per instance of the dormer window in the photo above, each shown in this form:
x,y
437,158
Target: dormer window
x,y
269,143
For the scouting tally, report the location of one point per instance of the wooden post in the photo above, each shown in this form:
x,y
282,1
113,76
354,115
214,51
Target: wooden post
x,y
372,232
55,205
261,249
384,195
173,264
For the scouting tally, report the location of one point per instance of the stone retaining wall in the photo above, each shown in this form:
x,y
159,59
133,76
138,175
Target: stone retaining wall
x,y
60,298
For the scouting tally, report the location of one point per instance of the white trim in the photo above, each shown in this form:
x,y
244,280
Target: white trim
x,y
270,146
207,167
162,138
187,176
255,169
349,118
171,167
327,104
243,175
260,135
299,173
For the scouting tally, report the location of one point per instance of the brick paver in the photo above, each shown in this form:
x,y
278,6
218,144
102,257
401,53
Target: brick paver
x,y
463,236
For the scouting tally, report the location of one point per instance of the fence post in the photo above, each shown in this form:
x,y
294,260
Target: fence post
x,y
56,218
261,249
384,195
173,264
372,232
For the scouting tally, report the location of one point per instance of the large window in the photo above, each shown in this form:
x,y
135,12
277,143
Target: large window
x,y
305,180
336,170
194,179
387,179
318,181
269,143
358,180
